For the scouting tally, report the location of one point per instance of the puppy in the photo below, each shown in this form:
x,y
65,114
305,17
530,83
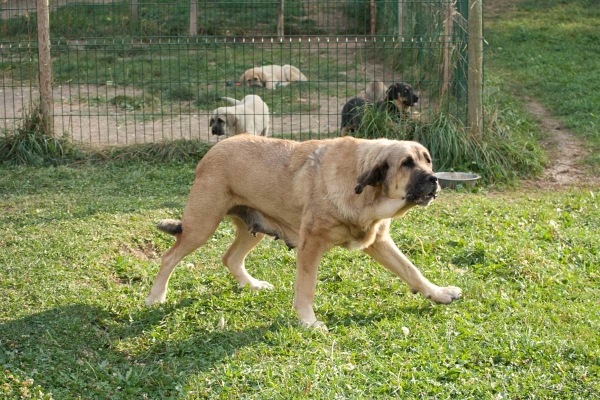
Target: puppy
x,y
271,76
375,91
399,98
313,195
250,115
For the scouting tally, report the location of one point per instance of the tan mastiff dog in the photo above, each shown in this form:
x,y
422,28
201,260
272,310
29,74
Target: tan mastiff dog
x,y
271,76
313,195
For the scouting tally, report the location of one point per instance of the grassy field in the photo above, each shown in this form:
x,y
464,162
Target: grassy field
x,y
79,252
549,50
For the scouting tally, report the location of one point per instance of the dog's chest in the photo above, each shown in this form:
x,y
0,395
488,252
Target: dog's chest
x,y
361,238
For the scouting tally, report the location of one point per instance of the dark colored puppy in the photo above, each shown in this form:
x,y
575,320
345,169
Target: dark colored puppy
x,y
399,98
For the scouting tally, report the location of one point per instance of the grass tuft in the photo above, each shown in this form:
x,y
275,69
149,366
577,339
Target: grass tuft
x,y
29,145
507,150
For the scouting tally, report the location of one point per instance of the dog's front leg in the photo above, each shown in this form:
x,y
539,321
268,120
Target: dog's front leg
x,y
385,252
307,265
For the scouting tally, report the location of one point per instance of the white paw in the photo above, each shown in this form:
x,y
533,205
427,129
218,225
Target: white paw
x,y
153,299
445,295
255,284
316,325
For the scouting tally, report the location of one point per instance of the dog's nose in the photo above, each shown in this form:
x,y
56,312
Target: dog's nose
x,y
432,179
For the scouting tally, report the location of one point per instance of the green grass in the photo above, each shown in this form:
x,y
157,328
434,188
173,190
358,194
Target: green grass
x,y
162,18
79,252
191,77
548,50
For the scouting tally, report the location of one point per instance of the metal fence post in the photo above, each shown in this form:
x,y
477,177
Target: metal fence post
x,y
475,79
45,67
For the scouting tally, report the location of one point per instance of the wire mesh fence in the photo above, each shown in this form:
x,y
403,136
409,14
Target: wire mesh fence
x,y
135,71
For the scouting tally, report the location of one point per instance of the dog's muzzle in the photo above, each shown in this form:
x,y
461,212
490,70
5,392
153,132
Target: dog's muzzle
x,y
217,131
425,192
411,101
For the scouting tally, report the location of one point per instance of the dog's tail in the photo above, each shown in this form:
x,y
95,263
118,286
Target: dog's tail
x,y
170,226
231,100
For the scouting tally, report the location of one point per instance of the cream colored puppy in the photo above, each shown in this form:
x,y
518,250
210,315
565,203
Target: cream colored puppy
x,y
250,115
271,76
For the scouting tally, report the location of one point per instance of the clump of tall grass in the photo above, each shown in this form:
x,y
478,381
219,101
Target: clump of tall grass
x,y
178,151
506,150
28,144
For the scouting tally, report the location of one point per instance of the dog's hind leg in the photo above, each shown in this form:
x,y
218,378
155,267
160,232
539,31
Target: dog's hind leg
x,y
236,254
195,230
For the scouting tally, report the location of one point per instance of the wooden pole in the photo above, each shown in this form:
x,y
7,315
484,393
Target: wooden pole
x,y
449,24
193,18
475,79
373,17
45,67
400,18
135,14
280,30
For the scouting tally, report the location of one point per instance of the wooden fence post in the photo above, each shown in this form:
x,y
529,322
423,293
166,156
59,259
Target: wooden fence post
x,y
193,18
280,30
135,14
448,29
45,67
400,19
475,79
373,17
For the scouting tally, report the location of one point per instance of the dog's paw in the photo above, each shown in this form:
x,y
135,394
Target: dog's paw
x,y
153,299
445,295
255,284
316,326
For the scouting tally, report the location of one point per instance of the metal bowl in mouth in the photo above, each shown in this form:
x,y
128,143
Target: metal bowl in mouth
x,y
451,180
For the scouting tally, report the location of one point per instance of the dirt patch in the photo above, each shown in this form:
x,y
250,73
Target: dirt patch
x,y
87,115
565,151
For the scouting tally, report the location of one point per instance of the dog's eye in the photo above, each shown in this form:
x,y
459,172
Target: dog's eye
x,y
407,163
428,160
221,120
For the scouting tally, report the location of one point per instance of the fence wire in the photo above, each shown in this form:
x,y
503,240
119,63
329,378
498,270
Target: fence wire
x,y
134,71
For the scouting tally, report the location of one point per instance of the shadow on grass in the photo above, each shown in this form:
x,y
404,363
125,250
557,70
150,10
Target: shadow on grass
x,y
83,349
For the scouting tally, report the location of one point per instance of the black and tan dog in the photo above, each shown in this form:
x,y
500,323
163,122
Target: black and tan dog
x,y
399,98
313,195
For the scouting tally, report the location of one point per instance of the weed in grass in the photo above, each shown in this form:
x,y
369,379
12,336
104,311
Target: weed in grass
x,y
181,93
29,145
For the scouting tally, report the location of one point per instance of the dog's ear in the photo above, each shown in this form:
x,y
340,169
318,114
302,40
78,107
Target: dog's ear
x,y
397,91
231,120
373,177
211,122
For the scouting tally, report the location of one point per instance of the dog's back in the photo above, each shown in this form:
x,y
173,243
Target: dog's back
x,y
351,114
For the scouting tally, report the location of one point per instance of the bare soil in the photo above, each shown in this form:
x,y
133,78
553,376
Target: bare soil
x,y
565,151
89,121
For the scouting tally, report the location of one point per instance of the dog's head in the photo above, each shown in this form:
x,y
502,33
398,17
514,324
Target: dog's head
x,y
403,95
254,77
221,122
403,170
